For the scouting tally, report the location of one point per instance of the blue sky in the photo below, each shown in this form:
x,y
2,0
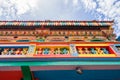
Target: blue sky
x,y
61,10
43,10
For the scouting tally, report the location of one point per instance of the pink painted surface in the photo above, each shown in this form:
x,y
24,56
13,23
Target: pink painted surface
x,y
35,68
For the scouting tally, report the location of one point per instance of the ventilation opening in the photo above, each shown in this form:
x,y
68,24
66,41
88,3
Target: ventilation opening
x,y
15,36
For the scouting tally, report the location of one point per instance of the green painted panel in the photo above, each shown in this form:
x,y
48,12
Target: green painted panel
x,y
26,73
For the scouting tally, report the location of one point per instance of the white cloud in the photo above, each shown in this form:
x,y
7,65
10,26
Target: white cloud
x,y
1,11
105,10
34,9
39,10
89,4
75,2
12,9
66,2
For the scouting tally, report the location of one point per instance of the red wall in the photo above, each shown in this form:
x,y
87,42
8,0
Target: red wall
x,y
10,75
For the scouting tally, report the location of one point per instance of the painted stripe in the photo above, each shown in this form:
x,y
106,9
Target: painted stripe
x,y
23,23
91,45
99,24
108,23
63,23
103,24
47,23
29,23
51,23
15,23
2,23
36,23
95,23
9,23
67,63
36,68
14,45
42,23
20,23
82,23
75,23
89,23
69,23
55,23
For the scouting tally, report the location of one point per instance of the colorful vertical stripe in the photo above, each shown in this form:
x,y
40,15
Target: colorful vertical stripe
x,y
95,24
63,23
9,23
2,23
76,23
36,23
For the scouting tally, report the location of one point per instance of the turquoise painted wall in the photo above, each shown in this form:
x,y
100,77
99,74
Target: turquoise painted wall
x,y
72,75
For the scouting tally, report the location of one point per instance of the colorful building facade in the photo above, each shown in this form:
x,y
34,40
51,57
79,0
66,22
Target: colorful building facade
x,y
55,45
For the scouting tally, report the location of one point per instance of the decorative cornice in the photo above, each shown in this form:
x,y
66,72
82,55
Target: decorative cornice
x,y
57,23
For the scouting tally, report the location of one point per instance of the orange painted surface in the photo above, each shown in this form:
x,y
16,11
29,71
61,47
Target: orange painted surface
x,y
10,75
60,43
